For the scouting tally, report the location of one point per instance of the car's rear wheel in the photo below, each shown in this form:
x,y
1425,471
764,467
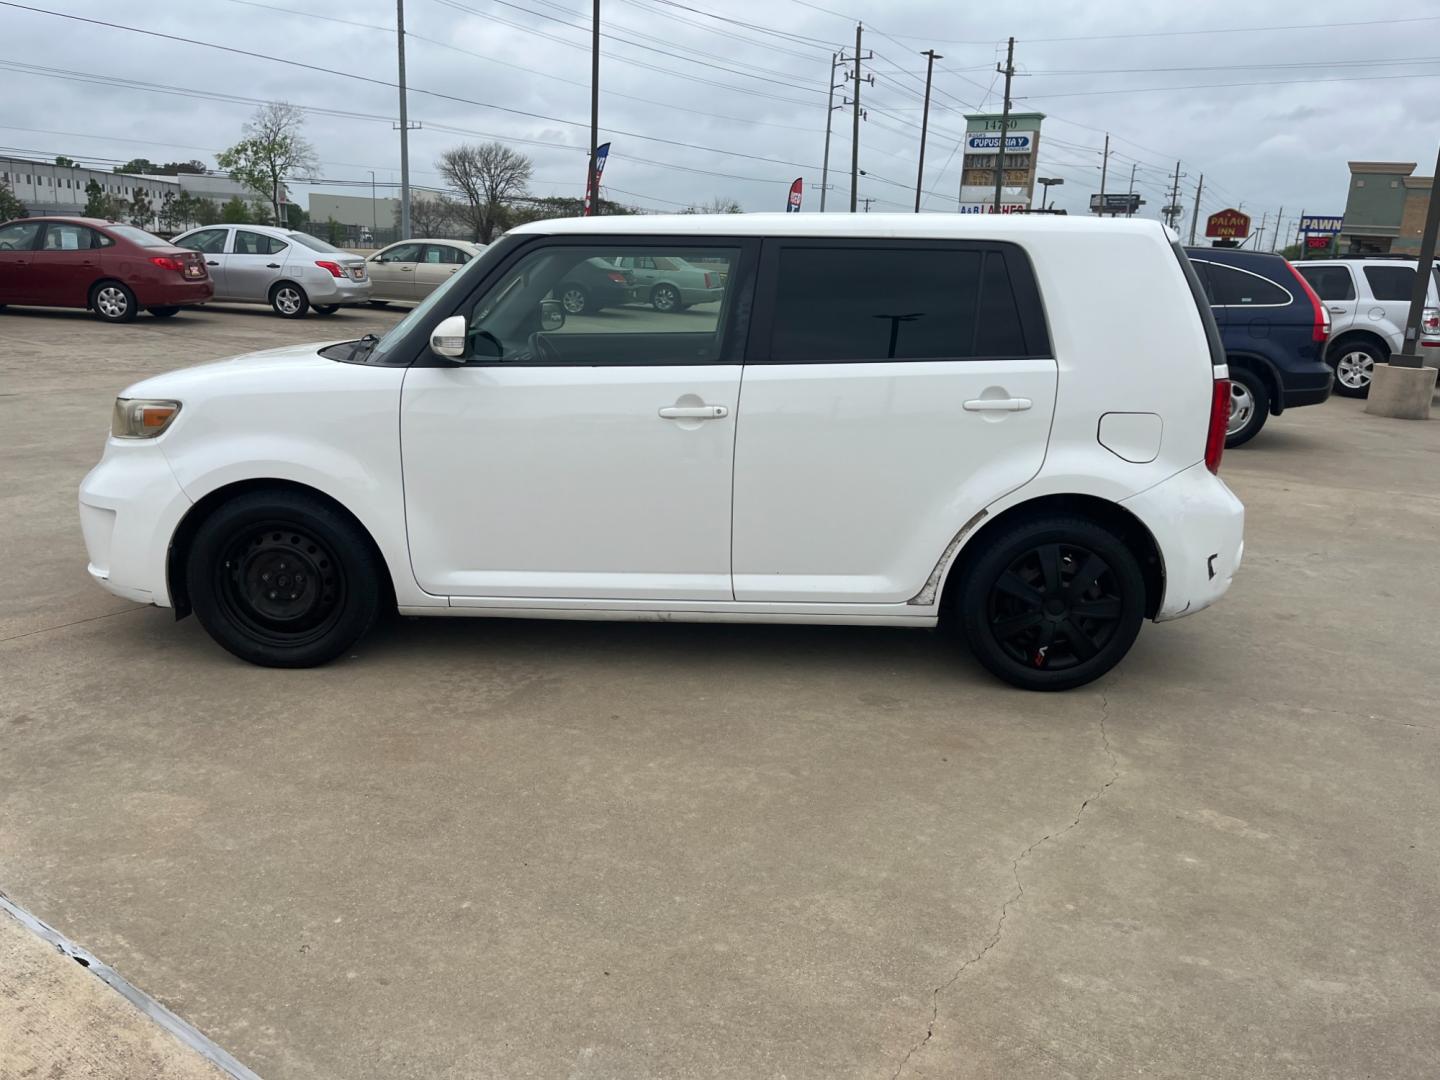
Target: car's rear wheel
x,y
113,302
1249,407
289,300
379,303
283,580
1354,365
326,309
163,312
574,299
1052,603
665,298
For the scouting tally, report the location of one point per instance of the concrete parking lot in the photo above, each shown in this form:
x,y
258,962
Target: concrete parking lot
x,y
538,849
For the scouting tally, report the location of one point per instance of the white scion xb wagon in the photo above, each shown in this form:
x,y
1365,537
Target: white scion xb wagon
x,y
886,420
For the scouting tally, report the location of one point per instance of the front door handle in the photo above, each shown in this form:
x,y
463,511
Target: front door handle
x,y
211,262
1004,404
272,266
406,269
694,412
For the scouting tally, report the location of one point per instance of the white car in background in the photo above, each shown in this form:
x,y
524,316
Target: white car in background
x,y
410,270
938,421
291,271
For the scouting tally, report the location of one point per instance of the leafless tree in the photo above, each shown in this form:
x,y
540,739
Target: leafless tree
x,y
486,176
432,215
718,205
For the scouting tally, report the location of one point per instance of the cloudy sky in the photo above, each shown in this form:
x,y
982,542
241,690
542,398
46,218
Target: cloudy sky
x,y
703,100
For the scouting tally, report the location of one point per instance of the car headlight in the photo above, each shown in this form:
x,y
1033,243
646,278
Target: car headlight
x,y
142,418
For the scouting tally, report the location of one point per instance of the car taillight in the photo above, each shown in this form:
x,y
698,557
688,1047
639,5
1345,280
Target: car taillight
x,y
1219,421
708,283
167,262
1321,328
333,267
1430,322
617,277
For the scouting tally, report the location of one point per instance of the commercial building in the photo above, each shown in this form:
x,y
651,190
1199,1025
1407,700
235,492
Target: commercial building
x,y
984,155
356,213
1384,209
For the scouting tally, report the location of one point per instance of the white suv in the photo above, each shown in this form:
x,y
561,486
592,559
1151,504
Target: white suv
x,y
1369,303
885,420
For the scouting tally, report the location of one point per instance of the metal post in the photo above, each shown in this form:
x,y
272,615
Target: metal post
x,y
1129,211
829,116
592,189
855,135
1104,171
1008,71
1408,356
404,125
931,56
1279,228
1195,212
374,213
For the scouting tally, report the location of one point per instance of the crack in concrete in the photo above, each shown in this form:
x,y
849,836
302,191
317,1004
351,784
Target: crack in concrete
x,y
76,622
1019,891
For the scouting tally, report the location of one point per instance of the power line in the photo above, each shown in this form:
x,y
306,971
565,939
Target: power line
x,y
1217,86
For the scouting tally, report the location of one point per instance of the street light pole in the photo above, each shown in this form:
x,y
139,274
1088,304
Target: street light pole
x,y
931,56
1409,352
592,189
404,125
374,213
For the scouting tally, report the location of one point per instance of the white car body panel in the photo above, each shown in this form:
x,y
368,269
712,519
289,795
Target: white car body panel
x,y
558,492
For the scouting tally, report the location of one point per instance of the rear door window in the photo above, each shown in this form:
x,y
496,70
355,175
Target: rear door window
x,y
252,243
1239,288
837,302
66,237
1391,282
1329,282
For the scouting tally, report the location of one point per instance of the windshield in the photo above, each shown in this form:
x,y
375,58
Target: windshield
x,y
417,314
314,243
137,236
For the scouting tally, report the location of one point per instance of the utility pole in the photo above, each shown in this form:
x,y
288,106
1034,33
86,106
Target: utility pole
x,y
1009,72
1129,211
1260,236
1299,221
855,133
835,61
1104,169
592,189
1195,212
374,213
867,201
1279,228
404,126
1173,211
931,56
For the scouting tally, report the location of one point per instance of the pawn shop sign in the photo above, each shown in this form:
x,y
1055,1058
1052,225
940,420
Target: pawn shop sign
x,y
1228,225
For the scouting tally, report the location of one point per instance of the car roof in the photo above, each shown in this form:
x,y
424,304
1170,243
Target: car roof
x,y
848,226
435,240
1237,256
67,219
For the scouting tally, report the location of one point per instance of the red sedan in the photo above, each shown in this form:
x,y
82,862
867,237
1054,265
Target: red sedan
x,y
113,270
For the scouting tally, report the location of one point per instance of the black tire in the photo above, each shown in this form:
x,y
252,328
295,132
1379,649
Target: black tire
x,y
163,312
256,546
379,303
573,298
666,298
112,301
1249,407
289,300
326,309
1023,622
1354,363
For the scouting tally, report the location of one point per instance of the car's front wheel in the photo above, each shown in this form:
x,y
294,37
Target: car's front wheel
x,y
282,579
1052,603
1354,365
113,302
574,299
326,309
289,300
1249,407
163,312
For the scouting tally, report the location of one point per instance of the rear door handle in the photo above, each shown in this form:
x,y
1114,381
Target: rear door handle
x,y
211,262
1005,404
272,266
694,412
1337,309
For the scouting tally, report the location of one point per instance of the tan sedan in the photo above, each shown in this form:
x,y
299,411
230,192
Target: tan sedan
x,y
411,270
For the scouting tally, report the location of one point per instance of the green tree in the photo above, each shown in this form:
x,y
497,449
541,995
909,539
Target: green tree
x,y
489,177
236,212
66,162
138,165
100,203
335,232
206,211
295,217
273,148
10,205
174,168
141,210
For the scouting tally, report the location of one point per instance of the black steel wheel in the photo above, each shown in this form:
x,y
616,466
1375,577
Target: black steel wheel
x,y
282,579
1054,603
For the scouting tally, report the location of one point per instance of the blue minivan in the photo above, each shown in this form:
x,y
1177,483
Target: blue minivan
x,y
1274,330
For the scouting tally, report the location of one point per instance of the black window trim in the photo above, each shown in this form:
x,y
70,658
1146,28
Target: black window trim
x,y
495,261
1290,296
1034,321
235,244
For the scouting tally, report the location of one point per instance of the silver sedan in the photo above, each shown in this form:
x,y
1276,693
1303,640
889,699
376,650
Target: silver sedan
x,y
289,270
411,270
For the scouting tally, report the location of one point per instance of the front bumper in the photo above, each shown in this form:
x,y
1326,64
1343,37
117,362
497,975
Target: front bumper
x,y
130,506
1199,526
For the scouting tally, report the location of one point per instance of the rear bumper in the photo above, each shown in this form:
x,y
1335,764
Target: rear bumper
x,y
333,290
1199,526
130,506
1309,387
701,296
179,294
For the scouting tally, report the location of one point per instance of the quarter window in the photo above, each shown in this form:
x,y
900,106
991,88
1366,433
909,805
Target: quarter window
x,y
1329,282
836,304
608,317
1391,282
1237,288
444,254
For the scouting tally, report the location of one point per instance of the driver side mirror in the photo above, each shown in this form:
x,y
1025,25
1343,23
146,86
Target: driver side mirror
x,y
552,315
448,339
